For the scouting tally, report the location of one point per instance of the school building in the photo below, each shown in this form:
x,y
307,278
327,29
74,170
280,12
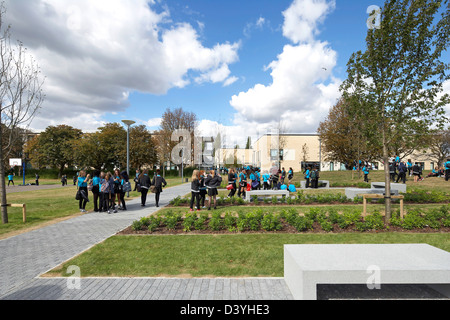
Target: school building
x,y
295,151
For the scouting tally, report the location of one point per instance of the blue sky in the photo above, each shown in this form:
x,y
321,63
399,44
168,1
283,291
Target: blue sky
x,y
236,21
244,67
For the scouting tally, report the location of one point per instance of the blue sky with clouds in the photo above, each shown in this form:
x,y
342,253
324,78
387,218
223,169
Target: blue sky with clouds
x,y
244,67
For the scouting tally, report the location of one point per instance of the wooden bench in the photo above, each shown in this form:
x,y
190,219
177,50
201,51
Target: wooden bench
x,y
266,193
310,265
380,196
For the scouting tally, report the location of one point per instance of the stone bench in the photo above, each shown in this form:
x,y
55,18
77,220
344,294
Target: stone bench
x,y
394,186
322,184
265,193
307,266
352,193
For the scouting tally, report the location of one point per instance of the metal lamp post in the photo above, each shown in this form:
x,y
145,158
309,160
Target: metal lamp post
x,y
128,124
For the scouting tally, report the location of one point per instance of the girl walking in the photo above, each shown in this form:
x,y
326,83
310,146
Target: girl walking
x,y
144,182
159,183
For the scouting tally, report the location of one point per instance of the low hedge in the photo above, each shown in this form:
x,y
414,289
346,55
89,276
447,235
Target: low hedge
x,y
316,219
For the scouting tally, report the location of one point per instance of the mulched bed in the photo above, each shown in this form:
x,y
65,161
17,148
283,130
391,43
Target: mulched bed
x,y
286,228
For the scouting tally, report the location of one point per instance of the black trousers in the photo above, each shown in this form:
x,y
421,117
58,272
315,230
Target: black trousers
x,y
447,174
307,183
401,176
144,192
195,196
157,194
96,195
122,200
82,202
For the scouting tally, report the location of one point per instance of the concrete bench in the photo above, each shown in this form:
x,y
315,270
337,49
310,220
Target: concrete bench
x,y
306,266
394,186
265,193
352,193
322,184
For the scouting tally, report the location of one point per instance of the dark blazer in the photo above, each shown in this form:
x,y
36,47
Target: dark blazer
x,y
144,181
195,186
213,182
159,182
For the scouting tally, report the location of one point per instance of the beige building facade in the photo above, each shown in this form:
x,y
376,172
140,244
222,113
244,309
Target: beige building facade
x,y
295,151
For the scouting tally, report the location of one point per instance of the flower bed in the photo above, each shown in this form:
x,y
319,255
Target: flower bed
x,y
291,221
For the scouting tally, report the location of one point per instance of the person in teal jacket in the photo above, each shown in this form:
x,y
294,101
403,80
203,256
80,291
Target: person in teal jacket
x,y
366,173
307,176
447,169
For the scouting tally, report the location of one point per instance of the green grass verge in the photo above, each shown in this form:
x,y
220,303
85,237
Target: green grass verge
x,y
238,255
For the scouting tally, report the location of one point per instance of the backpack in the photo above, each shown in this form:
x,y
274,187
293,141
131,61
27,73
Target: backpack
x,y
314,174
105,187
126,186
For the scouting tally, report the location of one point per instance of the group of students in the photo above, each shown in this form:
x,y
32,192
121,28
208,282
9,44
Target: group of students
x,y
203,184
106,189
250,178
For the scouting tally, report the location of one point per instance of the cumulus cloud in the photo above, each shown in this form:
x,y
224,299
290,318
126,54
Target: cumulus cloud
x,y
303,87
94,53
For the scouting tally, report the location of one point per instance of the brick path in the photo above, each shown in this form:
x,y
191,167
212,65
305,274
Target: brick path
x,y
24,257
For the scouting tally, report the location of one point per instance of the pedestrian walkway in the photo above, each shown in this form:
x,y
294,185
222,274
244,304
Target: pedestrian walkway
x,y
26,256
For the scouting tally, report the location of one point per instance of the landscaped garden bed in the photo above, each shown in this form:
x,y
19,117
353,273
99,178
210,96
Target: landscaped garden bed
x,y
291,220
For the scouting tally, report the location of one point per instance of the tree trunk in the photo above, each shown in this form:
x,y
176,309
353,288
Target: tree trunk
x,y
387,180
3,185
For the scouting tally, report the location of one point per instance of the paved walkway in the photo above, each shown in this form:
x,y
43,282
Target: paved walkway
x,y
25,257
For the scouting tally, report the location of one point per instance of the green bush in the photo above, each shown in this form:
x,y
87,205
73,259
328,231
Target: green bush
x,y
200,222
216,222
188,222
154,223
271,222
230,222
374,221
326,225
137,225
413,220
303,224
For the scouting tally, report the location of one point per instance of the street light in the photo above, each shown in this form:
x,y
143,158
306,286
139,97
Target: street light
x,y
128,123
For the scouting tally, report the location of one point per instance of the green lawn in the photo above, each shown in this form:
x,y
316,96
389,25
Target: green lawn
x,y
46,206
237,255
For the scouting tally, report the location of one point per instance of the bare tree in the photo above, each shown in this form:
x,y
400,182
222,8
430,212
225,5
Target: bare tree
x,y
20,95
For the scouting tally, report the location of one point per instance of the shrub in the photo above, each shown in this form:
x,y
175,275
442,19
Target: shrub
x,y
188,222
137,225
326,225
375,221
216,222
302,223
199,223
242,222
145,221
271,222
230,222
171,220
413,220
154,223
254,219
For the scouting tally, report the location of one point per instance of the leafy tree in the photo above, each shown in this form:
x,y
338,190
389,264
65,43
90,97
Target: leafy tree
x,y
54,147
342,137
398,79
142,147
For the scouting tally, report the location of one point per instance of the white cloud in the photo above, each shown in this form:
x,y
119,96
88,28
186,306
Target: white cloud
x,y
303,88
302,18
94,53
154,123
